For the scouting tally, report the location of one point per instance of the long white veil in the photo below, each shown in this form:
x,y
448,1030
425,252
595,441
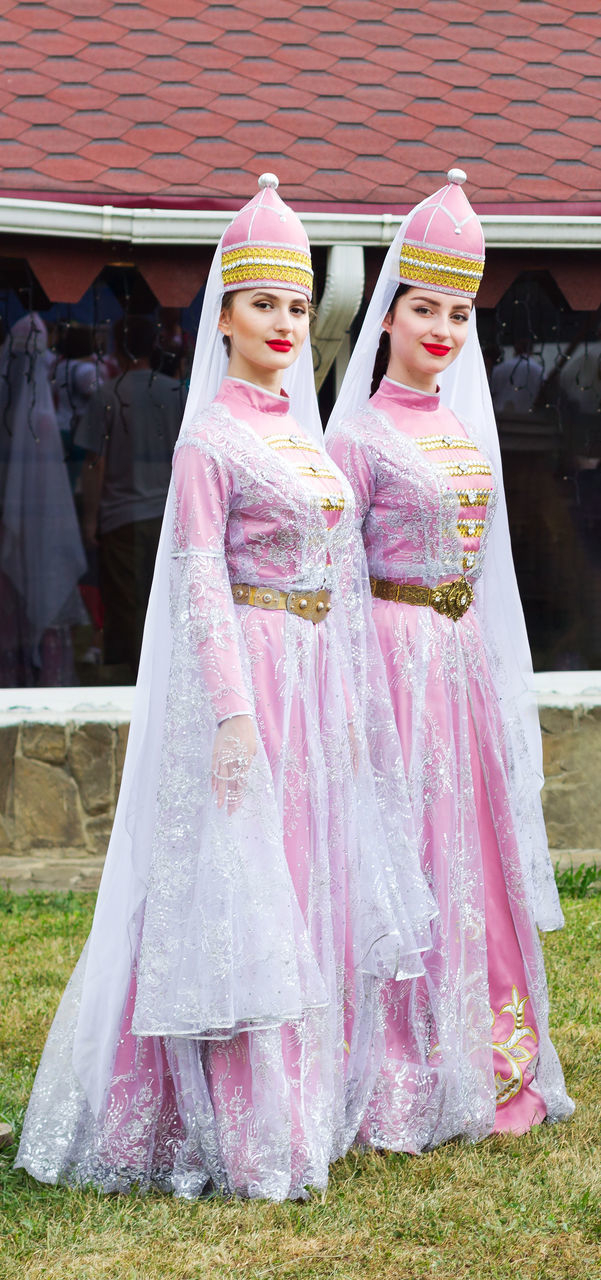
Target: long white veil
x,y
210,364
110,950
464,388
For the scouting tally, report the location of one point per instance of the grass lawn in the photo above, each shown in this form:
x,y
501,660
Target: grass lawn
x,y
507,1209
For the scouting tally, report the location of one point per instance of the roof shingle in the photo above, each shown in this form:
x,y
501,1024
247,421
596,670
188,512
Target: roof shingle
x,y
355,103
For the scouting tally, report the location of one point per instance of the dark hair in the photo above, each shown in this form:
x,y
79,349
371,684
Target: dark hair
x,y
227,303
383,353
135,337
76,341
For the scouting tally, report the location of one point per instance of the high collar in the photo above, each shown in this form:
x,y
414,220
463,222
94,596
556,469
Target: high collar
x,y
238,391
408,397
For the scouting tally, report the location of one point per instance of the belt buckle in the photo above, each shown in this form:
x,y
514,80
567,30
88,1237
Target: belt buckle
x,y
313,605
452,599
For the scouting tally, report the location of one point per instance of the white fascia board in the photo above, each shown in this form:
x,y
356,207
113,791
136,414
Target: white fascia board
x,y
114,705
568,690
199,226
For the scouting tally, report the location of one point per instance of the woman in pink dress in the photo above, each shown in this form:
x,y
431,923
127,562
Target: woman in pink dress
x,y
468,1049
221,1027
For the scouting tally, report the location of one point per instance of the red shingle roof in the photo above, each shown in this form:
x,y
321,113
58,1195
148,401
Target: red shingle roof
x,y
354,101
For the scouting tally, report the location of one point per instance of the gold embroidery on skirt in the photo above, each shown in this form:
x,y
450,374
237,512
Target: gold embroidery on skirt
x,y
516,1054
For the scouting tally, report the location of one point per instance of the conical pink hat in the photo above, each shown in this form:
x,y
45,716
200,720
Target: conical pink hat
x,y
266,244
443,247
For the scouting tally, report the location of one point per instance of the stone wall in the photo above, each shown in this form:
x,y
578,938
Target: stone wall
x,y
58,787
572,762
59,784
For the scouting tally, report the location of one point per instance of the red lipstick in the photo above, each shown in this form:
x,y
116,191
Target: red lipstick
x,y
280,344
435,349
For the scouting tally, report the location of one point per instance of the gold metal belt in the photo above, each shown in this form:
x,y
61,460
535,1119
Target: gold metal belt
x,y
452,599
312,605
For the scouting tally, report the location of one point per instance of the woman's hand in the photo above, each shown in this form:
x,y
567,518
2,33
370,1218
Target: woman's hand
x,y
233,750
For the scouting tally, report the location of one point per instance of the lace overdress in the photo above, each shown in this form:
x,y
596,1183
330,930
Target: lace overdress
x,y
468,1049
221,1027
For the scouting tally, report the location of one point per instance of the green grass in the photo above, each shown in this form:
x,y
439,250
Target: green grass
x,y
508,1209
578,882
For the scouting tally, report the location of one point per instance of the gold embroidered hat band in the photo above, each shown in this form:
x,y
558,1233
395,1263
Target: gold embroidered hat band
x,y
452,599
249,266
266,244
312,605
445,272
443,246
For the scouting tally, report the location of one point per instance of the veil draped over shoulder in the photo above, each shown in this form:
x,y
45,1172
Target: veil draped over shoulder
x,y
112,947
464,388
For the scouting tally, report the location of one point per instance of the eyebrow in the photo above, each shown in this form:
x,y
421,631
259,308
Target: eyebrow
x,y
434,302
273,297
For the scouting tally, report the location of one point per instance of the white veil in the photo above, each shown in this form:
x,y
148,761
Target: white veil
x,y
355,390
113,938
464,388
210,364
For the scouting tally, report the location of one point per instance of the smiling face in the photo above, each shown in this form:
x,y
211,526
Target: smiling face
x,y
266,329
427,331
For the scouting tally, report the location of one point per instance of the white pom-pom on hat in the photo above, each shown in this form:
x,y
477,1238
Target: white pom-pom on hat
x,y
454,175
269,180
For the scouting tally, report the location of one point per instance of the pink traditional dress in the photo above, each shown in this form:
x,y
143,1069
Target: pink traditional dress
x,y
221,1028
468,1048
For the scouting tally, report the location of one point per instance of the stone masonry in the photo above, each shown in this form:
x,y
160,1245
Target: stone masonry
x,y
572,763
59,784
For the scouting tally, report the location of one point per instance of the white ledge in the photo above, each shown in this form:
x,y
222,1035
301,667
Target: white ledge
x,y
107,704
113,704
199,226
568,689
